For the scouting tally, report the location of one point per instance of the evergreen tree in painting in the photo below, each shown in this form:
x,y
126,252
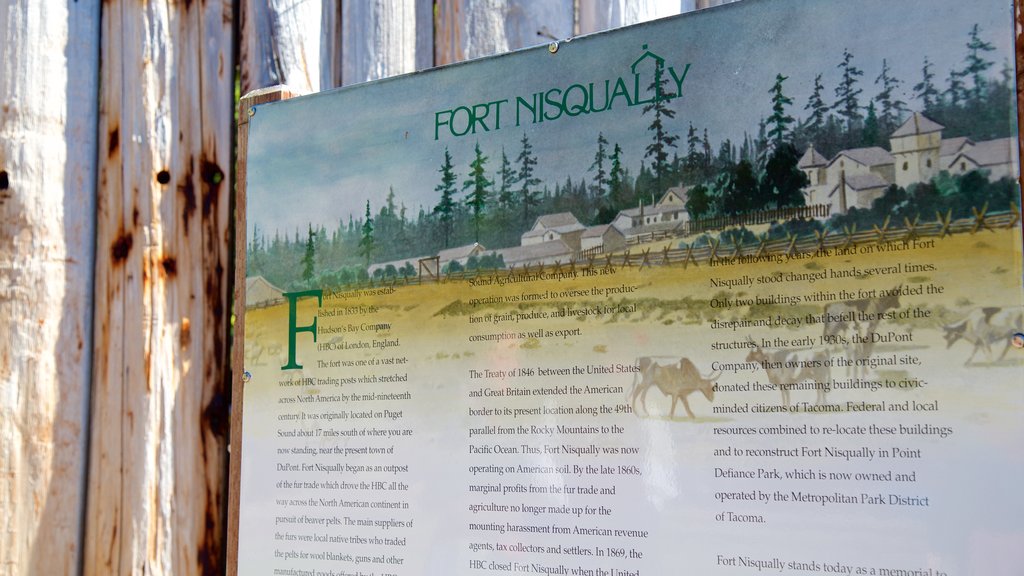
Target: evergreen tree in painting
x,y
847,104
366,239
783,182
925,90
445,209
779,121
890,108
977,65
506,178
736,191
706,156
956,93
309,257
599,187
698,202
528,196
616,192
817,111
478,186
872,134
661,140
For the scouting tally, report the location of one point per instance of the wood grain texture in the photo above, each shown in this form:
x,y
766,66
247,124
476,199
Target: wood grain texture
x,y
281,43
599,15
157,478
48,109
1018,12
467,29
254,98
382,38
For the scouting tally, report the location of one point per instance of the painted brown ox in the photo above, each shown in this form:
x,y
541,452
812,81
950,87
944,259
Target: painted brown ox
x,y
676,380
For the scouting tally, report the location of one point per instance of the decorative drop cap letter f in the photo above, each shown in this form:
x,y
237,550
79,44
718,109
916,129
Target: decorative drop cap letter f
x,y
293,298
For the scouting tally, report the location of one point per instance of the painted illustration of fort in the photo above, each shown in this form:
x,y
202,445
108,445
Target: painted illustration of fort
x,y
852,178
857,177
669,167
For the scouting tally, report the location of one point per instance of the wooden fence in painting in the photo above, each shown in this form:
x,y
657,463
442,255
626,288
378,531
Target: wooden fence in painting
x,y
819,211
116,180
718,252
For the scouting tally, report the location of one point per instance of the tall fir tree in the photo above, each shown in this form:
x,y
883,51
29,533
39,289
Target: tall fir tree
x,y
661,139
478,186
890,108
309,257
872,133
599,185
977,65
956,92
817,111
925,90
706,154
366,245
506,178
779,121
445,208
615,179
847,104
528,196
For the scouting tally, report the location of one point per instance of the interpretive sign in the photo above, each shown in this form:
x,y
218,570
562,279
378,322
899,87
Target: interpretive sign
x,y
729,293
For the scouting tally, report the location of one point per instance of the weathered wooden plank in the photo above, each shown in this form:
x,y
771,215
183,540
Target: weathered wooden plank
x,y
1019,51
382,38
237,352
47,149
598,15
330,44
281,43
701,4
157,477
474,28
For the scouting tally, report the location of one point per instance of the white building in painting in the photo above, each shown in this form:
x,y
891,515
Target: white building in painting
x,y
917,152
561,226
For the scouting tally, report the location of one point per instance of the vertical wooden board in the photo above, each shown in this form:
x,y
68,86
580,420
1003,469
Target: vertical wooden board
x,y
1019,53
216,68
280,43
473,28
255,63
47,151
330,44
237,352
598,15
382,38
157,477
701,4
424,34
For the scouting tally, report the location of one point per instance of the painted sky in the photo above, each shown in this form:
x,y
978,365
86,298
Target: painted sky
x,y
320,158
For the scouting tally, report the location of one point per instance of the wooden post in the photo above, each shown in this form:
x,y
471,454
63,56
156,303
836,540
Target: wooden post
x,y
1018,12
382,38
48,110
473,28
160,410
271,94
281,43
595,16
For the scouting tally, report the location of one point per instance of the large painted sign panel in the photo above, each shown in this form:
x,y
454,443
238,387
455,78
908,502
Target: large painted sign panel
x,y
730,293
